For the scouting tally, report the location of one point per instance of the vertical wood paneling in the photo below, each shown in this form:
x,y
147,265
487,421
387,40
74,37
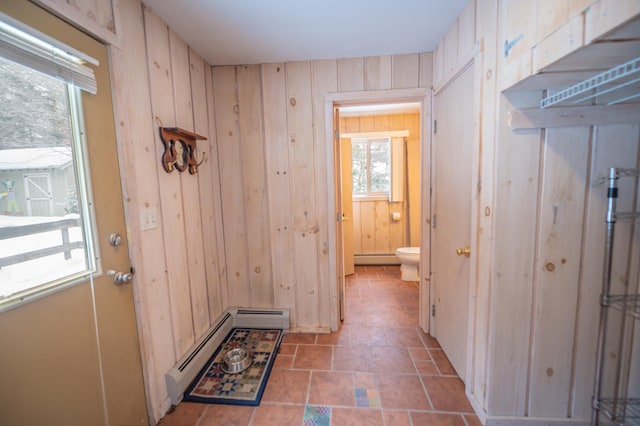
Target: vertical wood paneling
x,y
368,227
451,53
255,198
201,94
426,69
467,29
350,74
397,228
137,151
486,24
278,187
380,123
517,184
305,214
231,182
357,230
378,72
324,80
367,123
183,106
381,226
560,216
406,71
551,15
159,63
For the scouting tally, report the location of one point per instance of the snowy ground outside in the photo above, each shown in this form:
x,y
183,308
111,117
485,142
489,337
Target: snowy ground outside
x,y
24,275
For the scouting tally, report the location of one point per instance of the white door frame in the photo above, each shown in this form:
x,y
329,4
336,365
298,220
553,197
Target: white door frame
x,y
423,96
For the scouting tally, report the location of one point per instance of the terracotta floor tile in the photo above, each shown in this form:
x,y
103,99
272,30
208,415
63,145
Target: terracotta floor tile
x,y
308,338
356,416
357,370
429,341
380,319
283,361
368,336
396,418
358,283
419,354
354,318
391,359
427,368
186,413
332,388
405,318
447,394
352,293
340,337
375,293
437,419
287,386
351,358
472,420
402,392
365,380
232,415
369,275
406,337
313,357
278,414
442,362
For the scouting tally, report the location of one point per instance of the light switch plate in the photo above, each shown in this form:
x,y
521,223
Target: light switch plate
x,y
149,219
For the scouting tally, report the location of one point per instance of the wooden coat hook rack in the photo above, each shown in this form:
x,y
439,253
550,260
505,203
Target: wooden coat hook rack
x,y
180,150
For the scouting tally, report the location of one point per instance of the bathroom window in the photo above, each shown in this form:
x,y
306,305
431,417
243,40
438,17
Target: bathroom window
x,y
371,167
46,219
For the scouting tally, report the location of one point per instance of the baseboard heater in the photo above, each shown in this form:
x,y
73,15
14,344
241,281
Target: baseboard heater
x,y
185,370
375,259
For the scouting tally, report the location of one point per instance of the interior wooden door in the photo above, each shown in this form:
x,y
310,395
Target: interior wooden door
x,y
453,108
347,207
72,356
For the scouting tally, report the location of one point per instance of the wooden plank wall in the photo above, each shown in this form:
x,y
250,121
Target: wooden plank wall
x,y
275,152
540,231
180,286
375,231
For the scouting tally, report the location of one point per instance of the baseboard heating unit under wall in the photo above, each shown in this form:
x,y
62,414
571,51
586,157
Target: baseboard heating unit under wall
x,y
185,370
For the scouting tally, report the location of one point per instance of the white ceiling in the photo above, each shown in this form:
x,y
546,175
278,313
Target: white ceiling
x,y
238,32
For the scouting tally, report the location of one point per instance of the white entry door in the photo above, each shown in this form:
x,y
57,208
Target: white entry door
x,y
452,168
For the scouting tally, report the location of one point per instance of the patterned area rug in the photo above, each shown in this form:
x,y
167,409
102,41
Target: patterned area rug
x,y
212,385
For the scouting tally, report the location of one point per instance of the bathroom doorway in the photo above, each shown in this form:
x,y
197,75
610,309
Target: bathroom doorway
x,y
334,105
380,181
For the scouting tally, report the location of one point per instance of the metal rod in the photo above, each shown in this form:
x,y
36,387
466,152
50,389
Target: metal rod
x,y
612,195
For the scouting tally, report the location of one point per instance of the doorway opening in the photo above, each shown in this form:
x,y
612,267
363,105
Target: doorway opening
x,y
367,116
380,182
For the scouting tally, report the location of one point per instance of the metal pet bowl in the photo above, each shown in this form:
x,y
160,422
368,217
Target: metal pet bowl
x,y
236,361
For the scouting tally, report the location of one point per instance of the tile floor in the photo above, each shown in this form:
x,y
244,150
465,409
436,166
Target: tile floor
x,y
378,369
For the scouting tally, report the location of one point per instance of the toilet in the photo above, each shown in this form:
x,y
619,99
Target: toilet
x,y
409,258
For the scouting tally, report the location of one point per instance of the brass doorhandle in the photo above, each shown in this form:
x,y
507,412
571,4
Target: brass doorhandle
x,y
464,251
345,218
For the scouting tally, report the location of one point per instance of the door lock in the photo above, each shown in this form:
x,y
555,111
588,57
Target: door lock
x,y
466,251
120,278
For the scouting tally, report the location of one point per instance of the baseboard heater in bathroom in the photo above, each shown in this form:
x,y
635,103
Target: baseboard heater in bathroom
x,y
375,259
187,367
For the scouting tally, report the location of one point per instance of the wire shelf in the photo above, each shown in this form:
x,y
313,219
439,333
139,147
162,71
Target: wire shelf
x,y
619,84
621,411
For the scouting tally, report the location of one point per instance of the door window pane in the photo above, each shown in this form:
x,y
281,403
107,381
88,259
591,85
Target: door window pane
x,y
43,239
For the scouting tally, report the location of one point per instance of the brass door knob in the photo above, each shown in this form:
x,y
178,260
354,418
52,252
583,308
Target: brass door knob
x,y
466,251
345,218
